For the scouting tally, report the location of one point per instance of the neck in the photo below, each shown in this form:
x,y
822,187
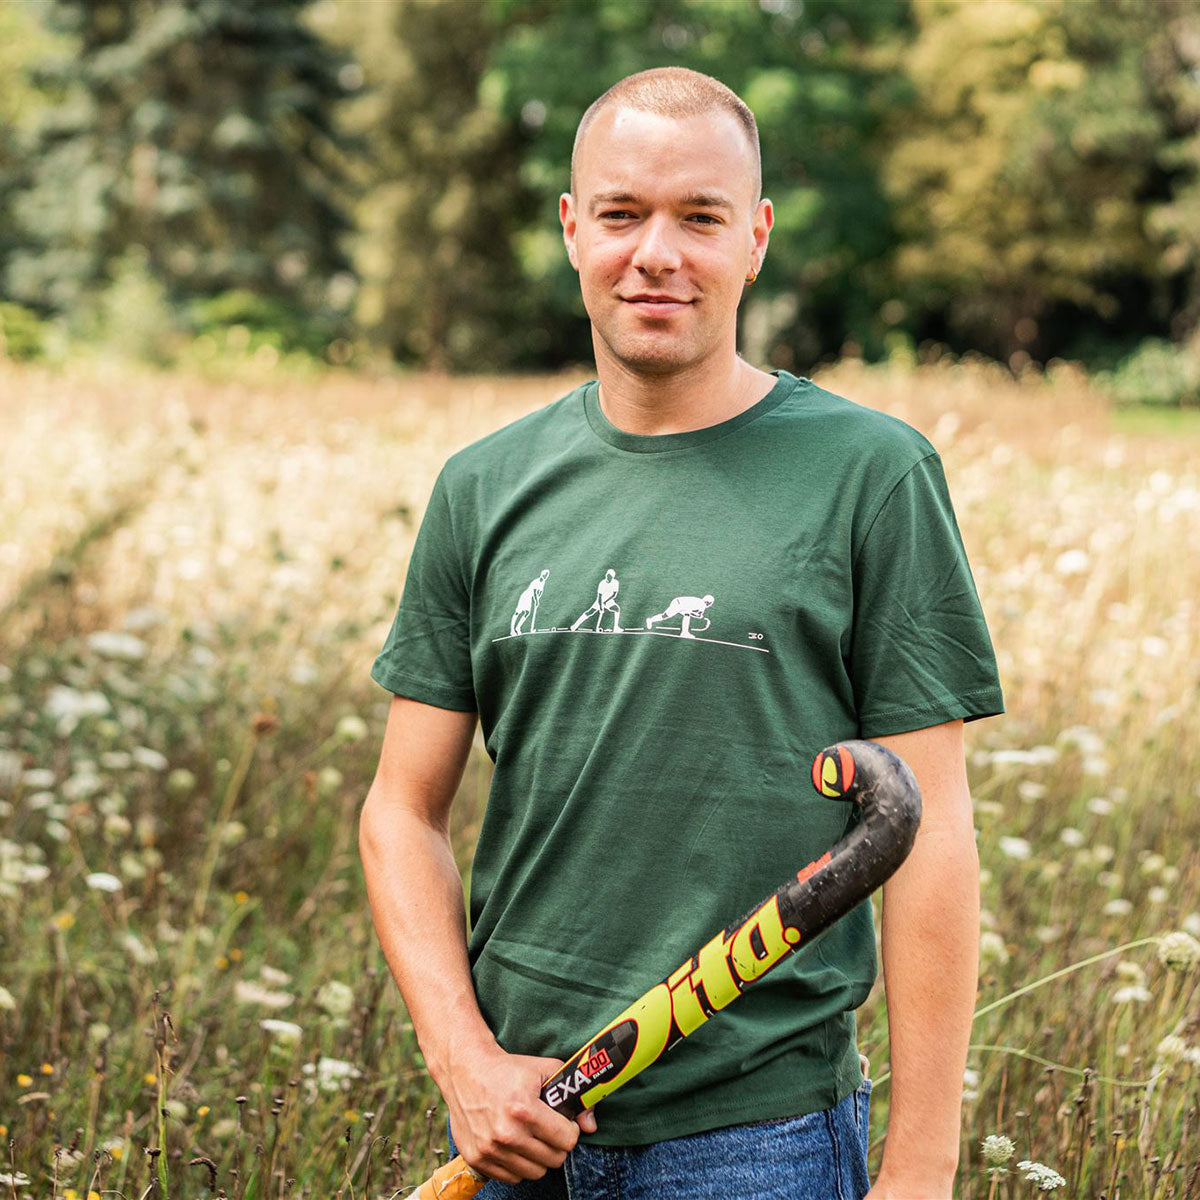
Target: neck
x,y
694,397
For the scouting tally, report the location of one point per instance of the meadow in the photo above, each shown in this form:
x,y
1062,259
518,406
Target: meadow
x,y
195,576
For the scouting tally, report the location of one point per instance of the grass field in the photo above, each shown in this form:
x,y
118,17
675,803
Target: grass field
x,y
194,580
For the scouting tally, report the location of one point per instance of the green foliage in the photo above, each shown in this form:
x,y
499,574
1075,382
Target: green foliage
x,y
134,315
266,320
21,332
1020,177
1157,373
203,133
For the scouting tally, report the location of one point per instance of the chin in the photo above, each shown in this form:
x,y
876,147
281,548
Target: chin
x,y
651,357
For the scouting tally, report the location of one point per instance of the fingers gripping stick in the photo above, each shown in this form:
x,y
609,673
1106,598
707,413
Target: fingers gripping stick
x,y
889,811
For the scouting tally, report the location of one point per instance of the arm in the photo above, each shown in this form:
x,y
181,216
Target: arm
x,y
931,971
416,895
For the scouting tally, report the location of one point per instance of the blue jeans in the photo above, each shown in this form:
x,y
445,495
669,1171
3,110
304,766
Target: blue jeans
x,y
817,1156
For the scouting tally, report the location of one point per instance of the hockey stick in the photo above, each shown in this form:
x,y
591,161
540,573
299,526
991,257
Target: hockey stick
x,y
889,804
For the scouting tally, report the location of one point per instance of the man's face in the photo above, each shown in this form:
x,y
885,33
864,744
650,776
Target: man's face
x,y
663,229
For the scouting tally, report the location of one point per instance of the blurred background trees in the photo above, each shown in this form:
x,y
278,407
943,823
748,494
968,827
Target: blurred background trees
x,y
1017,178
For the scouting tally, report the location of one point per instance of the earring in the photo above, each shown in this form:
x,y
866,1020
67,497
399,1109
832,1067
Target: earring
x,y
752,276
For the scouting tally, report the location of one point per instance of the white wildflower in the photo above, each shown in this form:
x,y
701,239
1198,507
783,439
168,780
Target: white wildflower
x,y
1118,907
274,976
1100,806
1048,933
249,992
1095,764
970,1084
138,620
1191,924
351,729
116,760
302,673
109,644
38,777
14,1180
1037,757
102,881
992,947
1103,854
1072,562
1131,994
144,756
997,1149
1154,647
6,999
1030,791
1172,1049
1070,836
66,703
329,779
1178,950
82,784
285,1031
335,997
1045,1178
11,769
1109,879
1151,863
332,1074
138,950
1131,971
180,781
1087,739
1015,847
1157,895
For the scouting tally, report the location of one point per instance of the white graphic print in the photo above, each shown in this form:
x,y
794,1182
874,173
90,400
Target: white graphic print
x,y
691,611
527,606
606,601
690,608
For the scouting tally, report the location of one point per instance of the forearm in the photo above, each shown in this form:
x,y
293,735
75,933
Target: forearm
x,y
931,970
416,898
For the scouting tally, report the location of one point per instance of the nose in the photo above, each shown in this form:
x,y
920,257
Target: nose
x,y
656,251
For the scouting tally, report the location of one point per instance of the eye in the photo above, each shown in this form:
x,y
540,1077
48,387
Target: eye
x,y
705,218
615,214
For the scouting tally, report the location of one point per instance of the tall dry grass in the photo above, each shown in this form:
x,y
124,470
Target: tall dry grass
x,y
194,579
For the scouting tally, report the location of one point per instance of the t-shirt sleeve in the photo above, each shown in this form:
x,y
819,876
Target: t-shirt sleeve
x,y
427,654
920,652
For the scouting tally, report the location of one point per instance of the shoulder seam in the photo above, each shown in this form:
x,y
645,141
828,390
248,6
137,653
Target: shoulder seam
x,y
883,504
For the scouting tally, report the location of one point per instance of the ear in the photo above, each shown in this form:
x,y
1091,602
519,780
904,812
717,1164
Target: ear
x,y
760,230
566,215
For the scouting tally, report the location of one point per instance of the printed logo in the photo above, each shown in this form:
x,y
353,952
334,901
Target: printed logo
x,y
685,617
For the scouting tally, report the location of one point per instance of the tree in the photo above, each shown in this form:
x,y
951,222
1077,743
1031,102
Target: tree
x,y
200,130
1020,177
441,280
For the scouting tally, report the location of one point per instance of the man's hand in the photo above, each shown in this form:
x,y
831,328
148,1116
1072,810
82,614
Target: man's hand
x,y
500,1124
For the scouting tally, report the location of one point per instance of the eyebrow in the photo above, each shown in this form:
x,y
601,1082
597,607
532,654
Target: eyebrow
x,y
692,200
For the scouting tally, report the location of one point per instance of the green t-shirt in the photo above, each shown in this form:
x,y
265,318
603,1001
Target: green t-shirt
x,y
659,633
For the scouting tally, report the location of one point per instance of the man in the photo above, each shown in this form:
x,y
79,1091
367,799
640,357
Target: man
x,y
649,789
690,608
606,601
527,606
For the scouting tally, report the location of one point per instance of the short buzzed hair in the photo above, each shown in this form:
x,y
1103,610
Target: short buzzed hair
x,y
674,92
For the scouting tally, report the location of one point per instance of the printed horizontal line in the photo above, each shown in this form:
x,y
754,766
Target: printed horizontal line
x,y
609,633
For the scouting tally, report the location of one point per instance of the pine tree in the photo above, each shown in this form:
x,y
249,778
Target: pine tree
x,y
198,130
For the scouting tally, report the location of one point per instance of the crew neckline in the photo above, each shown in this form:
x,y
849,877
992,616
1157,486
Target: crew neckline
x,y
657,443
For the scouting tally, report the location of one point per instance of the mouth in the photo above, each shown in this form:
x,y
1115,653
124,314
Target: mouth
x,y
656,305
